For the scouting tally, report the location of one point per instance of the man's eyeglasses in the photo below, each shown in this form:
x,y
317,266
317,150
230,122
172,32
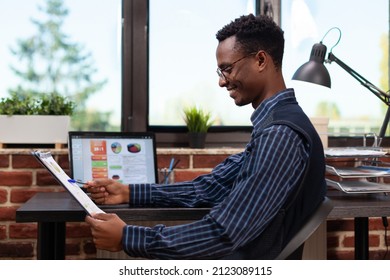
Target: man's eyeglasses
x,y
229,68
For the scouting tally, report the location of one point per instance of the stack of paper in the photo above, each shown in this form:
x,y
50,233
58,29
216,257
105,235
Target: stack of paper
x,y
354,152
359,171
358,186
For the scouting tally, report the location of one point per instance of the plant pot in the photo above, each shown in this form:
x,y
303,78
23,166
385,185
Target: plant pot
x,y
34,129
197,139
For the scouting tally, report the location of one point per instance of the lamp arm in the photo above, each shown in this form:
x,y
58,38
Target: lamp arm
x,y
384,96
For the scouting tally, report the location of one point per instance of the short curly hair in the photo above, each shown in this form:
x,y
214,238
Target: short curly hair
x,y
254,33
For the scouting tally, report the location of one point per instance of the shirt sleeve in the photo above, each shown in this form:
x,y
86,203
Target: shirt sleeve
x,y
273,164
205,191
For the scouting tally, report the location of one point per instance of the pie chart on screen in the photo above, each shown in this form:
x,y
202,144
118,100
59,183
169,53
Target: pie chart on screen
x,y
134,148
116,147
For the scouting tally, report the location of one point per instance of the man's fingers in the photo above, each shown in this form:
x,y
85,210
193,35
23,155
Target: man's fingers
x,y
95,219
102,216
99,197
93,189
99,183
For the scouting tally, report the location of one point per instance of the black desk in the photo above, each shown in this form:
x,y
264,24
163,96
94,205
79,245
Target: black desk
x,y
360,207
53,210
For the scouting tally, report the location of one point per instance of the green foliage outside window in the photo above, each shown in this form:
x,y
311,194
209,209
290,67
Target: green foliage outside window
x,y
52,104
49,62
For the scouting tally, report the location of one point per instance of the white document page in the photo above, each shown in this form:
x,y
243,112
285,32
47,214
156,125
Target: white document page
x,y
359,171
82,198
359,186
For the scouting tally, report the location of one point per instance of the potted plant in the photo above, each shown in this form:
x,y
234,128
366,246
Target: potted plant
x,y
198,122
44,119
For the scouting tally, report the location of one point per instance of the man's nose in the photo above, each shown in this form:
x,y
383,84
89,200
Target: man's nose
x,y
222,82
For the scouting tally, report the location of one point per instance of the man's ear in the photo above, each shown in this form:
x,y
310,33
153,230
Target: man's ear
x,y
262,58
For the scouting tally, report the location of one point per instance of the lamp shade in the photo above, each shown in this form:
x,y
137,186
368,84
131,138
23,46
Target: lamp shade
x,y
314,71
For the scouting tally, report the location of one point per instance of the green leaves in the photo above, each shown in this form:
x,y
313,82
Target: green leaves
x,y
53,104
50,61
197,120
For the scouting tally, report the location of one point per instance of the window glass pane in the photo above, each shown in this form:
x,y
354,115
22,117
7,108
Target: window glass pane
x,y
82,59
352,109
182,62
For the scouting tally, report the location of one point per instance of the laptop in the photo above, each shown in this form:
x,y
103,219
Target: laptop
x,y
129,157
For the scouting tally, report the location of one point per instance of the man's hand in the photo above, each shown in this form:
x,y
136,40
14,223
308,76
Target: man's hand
x,y
107,191
106,231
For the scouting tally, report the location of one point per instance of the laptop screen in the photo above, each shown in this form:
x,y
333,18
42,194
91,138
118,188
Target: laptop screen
x,y
129,157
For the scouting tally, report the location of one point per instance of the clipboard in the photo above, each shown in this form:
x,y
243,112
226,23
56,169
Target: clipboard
x,y
47,160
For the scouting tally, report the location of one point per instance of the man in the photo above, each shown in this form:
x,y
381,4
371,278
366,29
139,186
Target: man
x,y
258,198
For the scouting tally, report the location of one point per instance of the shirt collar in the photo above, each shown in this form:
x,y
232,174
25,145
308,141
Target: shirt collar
x,y
267,105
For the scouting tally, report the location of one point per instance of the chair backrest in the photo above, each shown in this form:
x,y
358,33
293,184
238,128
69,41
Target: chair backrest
x,y
294,248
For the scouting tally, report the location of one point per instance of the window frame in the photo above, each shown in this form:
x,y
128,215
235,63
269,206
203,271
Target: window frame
x,y
135,99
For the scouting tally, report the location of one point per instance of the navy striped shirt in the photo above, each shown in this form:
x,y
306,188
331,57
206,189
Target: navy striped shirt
x,y
244,192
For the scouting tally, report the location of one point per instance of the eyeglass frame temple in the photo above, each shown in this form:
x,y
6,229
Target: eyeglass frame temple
x,y
219,70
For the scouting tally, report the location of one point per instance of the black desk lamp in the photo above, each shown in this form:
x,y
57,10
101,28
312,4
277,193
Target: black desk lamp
x,y
314,71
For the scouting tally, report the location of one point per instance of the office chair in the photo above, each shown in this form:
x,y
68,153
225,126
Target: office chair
x,y
294,248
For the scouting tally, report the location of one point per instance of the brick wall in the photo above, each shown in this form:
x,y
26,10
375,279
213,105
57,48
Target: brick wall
x,y
21,176
341,232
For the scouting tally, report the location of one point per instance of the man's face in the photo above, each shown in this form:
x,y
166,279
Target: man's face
x,y
239,73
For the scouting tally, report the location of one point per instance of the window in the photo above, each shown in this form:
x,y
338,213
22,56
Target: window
x,y
168,51
146,90
91,33
352,109
362,46
182,63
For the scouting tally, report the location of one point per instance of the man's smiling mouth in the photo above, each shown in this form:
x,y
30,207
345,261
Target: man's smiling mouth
x,y
231,88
